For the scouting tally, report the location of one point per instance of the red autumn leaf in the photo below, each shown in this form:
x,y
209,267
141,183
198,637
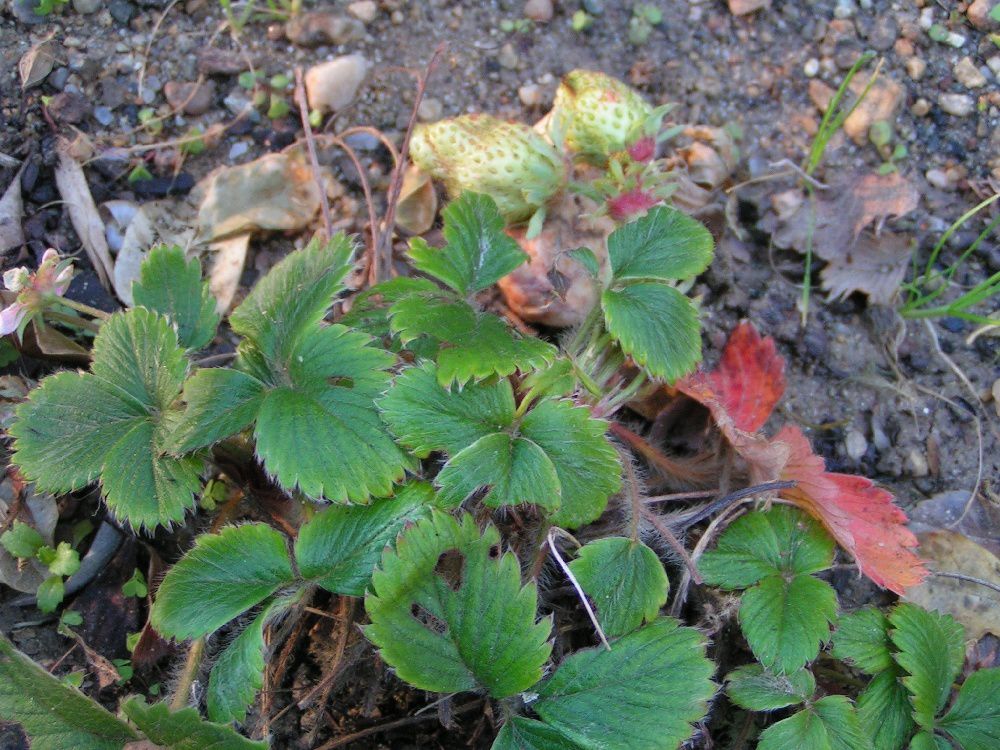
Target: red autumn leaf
x,y
746,384
861,517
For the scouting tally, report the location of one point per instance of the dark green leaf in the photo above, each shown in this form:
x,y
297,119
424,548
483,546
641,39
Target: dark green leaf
x,y
172,286
449,628
786,620
862,638
184,729
293,297
557,379
222,576
340,546
974,718
656,325
644,693
520,733
220,403
53,715
491,348
478,252
884,711
829,724
625,580
663,244
760,544
756,689
930,649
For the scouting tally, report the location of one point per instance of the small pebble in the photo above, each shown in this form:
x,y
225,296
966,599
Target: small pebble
x,y
319,27
508,56
811,68
915,68
190,98
916,463
927,17
883,32
121,11
103,115
538,10
959,105
921,107
238,149
365,11
86,7
939,179
856,445
24,11
994,65
430,109
967,74
978,14
844,9
530,94
332,85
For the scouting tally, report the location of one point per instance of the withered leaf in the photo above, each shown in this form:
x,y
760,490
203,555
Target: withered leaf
x,y
38,62
872,265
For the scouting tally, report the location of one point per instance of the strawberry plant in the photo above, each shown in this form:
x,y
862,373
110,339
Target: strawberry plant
x,y
473,488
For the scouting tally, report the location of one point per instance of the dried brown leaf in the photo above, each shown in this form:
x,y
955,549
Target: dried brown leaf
x,y
11,211
38,62
418,202
227,267
73,188
872,265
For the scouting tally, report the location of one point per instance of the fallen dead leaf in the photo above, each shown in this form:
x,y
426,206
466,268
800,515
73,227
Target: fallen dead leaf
x,y
147,226
11,211
873,265
224,279
952,511
35,65
40,512
275,192
418,202
73,188
974,605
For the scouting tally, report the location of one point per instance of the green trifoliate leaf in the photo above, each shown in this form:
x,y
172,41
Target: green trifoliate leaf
x,y
238,672
315,423
625,580
862,638
53,715
974,718
786,619
340,546
930,649
112,423
184,729
884,711
448,615
828,724
222,576
426,417
756,689
663,244
780,541
520,733
293,298
21,540
478,252
171,285
50,593
656,325
136,585
516,471
370,309
644,693
63,560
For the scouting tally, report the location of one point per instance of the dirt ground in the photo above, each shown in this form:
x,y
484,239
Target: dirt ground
x,y
875,395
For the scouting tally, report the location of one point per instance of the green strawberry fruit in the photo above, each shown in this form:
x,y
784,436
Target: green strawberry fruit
x,y
595,115
508,161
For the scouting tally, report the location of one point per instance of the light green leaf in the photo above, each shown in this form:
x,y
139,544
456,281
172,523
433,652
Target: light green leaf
x,y
974,718
516,471
171,285
644,693
656,325
786,620
557,379
50,593
586,258
222,576
862,638
437,314
449,629
220,403
136,585
625,580
294,297
112,423
65,560
53,715
760,544
663,244
829,724
340,546
184,729
930,649
586,463
426,417
884,711
238,673
756,689
478,252
520,733
20,540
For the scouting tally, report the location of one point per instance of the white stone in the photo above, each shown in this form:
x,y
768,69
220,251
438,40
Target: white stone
x,y
959,105
967,74
365,11
856,445
811,68
332,85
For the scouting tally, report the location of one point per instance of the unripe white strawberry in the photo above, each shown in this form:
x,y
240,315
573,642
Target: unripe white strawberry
x,y
508,161
596,115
